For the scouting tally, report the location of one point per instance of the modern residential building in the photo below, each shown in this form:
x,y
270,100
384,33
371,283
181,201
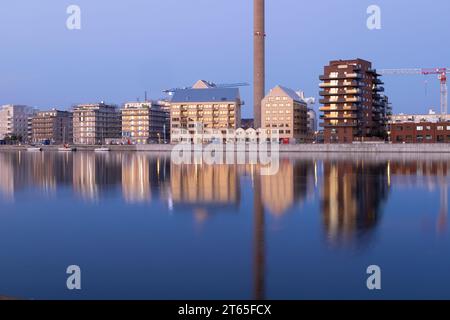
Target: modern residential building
x,y
353,106
53,127
95,124
145,122
285,114
14,122
420,128
204,109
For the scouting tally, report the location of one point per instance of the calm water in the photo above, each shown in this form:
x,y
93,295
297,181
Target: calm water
x,y
142,228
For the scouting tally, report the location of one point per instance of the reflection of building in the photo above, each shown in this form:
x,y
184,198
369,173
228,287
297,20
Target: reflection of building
x,y
95,123
14,121
281,191
145,122
54,126
50,170
353,193
353,108
419,172
143,176
285,112
216,185
207,107
7,181
94,174
45,171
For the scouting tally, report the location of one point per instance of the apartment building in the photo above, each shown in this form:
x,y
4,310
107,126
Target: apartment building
x,y
420,128
95,124
285,114
53,126
353,106
204,109
145,122
14,122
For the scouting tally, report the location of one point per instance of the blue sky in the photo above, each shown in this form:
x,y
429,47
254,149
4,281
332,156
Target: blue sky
x,y
127,47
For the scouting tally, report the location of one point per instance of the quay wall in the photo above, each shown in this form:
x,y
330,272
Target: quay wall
x,y
300,148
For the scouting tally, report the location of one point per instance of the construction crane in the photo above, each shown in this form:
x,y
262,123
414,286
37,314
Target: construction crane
x,y
440,72
211,85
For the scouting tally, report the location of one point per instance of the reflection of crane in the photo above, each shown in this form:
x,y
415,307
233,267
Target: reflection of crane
x,y
210,85
442,76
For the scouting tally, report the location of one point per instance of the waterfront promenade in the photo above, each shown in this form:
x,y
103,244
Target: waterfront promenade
x,y
299,148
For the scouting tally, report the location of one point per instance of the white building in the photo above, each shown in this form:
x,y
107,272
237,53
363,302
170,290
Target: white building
x,y
417,118
312,121
15,120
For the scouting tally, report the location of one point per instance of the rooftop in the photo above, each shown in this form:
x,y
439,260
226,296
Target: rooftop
x,y
206,95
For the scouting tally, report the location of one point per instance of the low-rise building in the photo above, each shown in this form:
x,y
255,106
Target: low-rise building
x,y
284,113
14,122
53,127
420,128
145,122
94,124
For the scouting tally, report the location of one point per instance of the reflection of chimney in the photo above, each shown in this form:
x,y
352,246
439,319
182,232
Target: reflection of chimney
x,y
259,60
259,248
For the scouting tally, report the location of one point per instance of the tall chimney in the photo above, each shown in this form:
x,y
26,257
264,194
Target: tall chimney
x,y
259,76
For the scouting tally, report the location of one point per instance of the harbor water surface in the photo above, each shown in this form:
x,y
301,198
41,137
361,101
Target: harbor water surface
x,y
141,227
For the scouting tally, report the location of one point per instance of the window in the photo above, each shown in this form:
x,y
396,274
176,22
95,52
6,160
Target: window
x,y
419,128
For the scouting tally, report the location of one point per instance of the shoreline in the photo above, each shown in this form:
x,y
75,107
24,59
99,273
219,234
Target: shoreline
x,y
301,148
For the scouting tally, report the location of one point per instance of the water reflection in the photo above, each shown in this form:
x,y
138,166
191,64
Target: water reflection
x,y
352,199
351,193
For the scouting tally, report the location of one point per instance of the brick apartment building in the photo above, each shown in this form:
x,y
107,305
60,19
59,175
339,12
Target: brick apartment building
x,y
429,128
354,108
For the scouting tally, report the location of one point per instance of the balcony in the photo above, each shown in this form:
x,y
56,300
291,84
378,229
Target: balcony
x,y
324,93
374,72
340,77
341,108
341,116
353,91
356,100
341,84
378,81
354,75
353,99
338,125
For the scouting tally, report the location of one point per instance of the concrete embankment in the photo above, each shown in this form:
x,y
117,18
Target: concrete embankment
x,y
303,148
